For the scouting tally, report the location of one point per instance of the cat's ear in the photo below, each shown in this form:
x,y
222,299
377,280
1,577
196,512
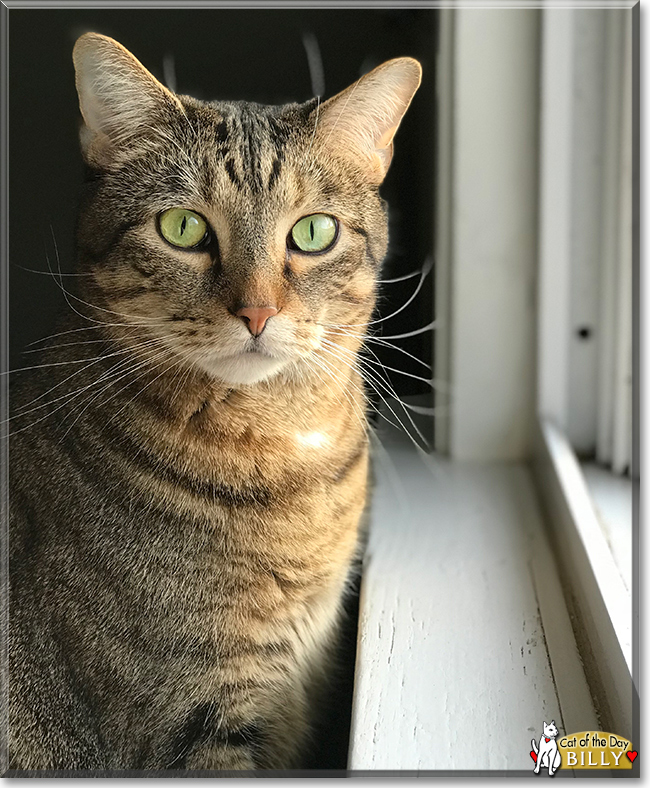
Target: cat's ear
x,y
118,97
363,119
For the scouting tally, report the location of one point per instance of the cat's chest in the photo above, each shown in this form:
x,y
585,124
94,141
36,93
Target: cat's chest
x,y
243,577
283,501
214,519
257,471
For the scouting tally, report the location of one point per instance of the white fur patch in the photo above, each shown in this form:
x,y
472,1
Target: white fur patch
x,y
243,369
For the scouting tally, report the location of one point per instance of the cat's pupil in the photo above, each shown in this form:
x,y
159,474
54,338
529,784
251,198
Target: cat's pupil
x,y
183,224
311,230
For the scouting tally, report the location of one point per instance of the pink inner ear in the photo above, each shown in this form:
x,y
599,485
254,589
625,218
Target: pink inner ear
x,y
383,156
366,116
387,137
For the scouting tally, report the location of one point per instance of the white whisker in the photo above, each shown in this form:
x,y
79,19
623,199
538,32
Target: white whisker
x,y
146,364
67,295
374,381
429,327
315,63
381,341
399,278
115,367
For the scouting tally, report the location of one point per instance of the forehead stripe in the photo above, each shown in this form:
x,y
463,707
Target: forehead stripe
x,y
275,172
230,169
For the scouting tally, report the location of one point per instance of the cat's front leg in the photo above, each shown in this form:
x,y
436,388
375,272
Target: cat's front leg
x,y
222,756
201,745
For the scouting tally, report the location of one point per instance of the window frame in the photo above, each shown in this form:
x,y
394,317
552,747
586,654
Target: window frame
x,y
600,609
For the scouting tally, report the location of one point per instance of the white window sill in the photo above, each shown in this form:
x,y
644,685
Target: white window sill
x,y
600,601
465,643
612,498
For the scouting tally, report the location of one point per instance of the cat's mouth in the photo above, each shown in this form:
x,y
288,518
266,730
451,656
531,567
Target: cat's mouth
x,y
251,364
255,350
252,350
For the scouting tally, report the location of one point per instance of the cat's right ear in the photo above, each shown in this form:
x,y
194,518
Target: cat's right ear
x,y
118,98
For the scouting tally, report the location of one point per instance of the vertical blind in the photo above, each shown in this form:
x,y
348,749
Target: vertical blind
x,y
614,435
585,255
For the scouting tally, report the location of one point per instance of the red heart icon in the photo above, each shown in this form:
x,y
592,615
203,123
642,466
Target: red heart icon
x,y
631,754
533,755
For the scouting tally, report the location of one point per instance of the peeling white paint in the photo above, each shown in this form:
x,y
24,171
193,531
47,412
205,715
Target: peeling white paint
x,y
464,635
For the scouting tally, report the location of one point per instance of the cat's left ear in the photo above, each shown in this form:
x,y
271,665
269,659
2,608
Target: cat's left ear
x,y
119,99
363,119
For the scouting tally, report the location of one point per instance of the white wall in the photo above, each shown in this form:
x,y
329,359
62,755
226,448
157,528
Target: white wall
x,y
493,233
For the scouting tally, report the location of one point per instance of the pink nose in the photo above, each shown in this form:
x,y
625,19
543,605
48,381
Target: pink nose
x,y
255,317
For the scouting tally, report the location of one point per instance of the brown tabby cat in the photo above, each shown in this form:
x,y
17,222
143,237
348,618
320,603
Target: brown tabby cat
x,y
189,462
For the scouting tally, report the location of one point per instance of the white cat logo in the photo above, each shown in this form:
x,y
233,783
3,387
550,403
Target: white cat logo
x,y
547,754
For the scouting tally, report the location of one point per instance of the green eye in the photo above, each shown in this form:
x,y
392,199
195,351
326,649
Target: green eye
x,y
314,233
182,227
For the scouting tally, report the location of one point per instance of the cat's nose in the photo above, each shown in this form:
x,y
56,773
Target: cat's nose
x,y
255,317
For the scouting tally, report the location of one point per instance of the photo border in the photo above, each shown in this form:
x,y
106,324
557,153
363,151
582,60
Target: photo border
x,y
638,332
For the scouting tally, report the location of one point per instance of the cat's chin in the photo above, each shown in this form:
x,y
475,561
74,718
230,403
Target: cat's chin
x,y
245,369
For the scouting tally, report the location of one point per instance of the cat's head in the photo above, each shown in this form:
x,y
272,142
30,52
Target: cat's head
x,y
550,730
235,234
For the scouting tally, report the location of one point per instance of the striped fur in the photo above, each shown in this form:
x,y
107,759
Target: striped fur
x,y
186,499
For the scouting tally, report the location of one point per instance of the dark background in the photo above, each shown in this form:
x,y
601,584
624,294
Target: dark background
x,y
250,54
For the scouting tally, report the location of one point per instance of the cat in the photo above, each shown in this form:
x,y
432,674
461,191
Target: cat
x,y
189,461
547,754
